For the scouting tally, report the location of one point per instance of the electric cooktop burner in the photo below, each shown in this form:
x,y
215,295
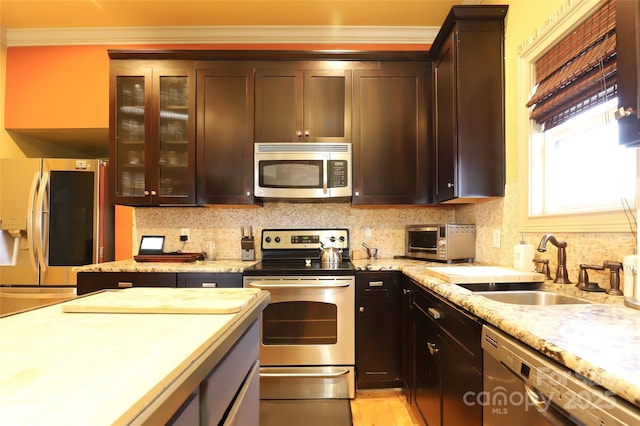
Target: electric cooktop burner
x,y
298,251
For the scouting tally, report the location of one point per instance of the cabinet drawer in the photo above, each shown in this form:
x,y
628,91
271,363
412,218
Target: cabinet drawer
x,y
377,283
210,280
89,282
456,326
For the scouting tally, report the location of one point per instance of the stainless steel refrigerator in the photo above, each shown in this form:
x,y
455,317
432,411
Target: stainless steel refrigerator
x,y
55,214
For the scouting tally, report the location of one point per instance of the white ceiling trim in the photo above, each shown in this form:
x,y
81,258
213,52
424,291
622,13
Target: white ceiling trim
x,y
221,34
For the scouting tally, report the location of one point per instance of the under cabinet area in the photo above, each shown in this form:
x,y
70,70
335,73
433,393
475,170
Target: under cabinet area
x,y
378,341
152,132
468,105
306,102
89,282
446,362
390,161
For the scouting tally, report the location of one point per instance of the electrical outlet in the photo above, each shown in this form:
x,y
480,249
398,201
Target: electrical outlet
x,y
496,238
184,235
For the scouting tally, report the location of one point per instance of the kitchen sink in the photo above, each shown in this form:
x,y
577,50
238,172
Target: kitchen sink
x,y
531,297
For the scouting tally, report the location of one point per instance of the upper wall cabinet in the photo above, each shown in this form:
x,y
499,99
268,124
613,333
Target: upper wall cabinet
x,y
310,105
628,74
390,163
225,134
152,132
468,105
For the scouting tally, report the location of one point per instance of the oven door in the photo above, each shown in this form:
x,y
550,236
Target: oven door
x,y
307,337
309,321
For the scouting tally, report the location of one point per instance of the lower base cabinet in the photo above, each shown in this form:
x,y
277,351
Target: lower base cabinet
x,y
378,340
230,394
89,282
446,363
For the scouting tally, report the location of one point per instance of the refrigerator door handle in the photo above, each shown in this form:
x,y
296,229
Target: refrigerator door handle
x,y
31,240
40,216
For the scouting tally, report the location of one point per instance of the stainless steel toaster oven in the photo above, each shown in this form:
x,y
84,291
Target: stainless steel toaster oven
x,y
447,242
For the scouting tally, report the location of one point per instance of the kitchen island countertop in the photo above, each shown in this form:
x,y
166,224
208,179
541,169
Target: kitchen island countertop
x,y
122,368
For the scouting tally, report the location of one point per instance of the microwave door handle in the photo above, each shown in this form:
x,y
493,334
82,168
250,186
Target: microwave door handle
x,y
325,167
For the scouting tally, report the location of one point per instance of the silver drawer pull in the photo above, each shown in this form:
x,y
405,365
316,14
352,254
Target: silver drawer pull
x,y
124,284
335,374
209,285
376,283
434,313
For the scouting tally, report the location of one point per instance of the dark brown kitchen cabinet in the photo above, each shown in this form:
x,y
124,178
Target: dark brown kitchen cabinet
x,y
209,280
446,364
88,282
378,340
628,73
390,159
152,132
468,105
305,103
225,134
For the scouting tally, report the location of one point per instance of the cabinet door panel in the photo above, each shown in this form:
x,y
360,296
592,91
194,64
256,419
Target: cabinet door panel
x,y
327,106
445,128
225,145
278,106
389,137
428,379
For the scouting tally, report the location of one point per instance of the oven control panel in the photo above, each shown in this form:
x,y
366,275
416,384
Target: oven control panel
x,y
288,239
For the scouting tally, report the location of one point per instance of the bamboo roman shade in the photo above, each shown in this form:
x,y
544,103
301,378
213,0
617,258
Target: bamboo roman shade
x,y
578,72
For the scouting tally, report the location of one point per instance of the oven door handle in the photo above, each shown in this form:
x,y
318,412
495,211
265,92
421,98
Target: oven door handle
x,y
334,374
268,286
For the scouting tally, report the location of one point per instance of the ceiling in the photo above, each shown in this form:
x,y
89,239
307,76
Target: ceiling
x,y
25,14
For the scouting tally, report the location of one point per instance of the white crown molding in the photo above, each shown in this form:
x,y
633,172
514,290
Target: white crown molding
x,y
222,34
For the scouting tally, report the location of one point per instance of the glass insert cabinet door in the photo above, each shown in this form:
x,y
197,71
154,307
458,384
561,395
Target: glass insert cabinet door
x,y
173,136
154,136
131,133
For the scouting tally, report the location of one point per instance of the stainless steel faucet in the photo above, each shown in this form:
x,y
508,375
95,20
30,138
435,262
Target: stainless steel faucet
x,y
562,277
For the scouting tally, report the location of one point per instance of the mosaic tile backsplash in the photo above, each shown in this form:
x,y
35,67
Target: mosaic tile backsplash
x,y
387,224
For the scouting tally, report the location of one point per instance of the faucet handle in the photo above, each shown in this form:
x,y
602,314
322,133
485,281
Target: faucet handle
x,y
545,267
614,277
583,278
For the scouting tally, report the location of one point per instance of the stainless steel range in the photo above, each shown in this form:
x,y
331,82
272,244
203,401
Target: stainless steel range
x,y
307,347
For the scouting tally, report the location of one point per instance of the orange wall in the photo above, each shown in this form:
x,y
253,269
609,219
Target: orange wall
x,y
57,87
67,87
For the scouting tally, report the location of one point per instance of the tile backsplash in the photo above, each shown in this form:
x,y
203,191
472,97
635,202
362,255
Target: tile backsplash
x,y
222,224
387,224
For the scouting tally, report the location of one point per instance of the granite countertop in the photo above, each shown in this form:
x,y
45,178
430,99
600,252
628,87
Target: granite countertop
x,y
222,265
91,369
600,341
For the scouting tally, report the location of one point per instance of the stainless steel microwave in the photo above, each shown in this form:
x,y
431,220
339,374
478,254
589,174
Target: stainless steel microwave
x,y
302,170
443,242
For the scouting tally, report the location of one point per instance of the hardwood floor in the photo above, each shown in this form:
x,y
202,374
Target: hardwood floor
x,y
384,407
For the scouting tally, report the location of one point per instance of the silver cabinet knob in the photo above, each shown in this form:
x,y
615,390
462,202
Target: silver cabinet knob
x,y
299,133
306,133
146,192
154,193
449,185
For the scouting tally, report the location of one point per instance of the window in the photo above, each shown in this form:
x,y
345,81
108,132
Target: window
x,y
579,166
572,174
